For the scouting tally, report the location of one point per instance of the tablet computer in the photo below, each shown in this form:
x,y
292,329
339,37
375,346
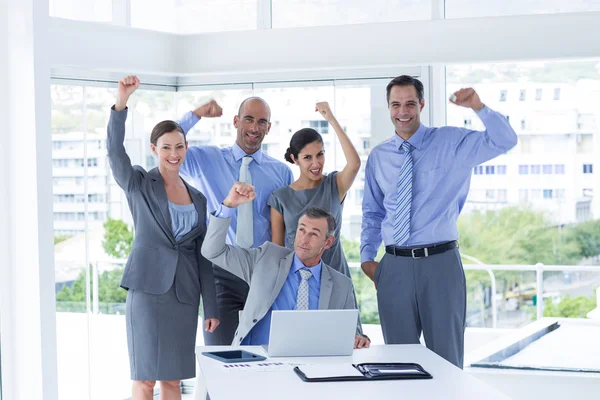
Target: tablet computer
x,y
233,356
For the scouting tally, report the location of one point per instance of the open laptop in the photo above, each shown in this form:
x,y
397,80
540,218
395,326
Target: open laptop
x,y
312,333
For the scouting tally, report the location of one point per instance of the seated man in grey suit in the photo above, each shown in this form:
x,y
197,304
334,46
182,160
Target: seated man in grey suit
x,y
279,278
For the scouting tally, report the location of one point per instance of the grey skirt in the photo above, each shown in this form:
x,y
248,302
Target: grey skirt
x,y
161,336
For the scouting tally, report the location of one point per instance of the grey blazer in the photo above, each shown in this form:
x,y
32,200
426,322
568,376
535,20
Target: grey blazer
x,y
266,269
156,256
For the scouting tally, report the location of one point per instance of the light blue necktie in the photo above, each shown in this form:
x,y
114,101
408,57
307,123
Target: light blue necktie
x,y
244,235
302,297
404,200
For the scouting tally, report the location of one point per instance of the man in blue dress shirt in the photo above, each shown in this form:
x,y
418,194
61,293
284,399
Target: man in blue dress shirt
x,y
213,171
416,183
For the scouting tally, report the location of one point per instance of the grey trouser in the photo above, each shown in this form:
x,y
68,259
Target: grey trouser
x,y
424,295
231,297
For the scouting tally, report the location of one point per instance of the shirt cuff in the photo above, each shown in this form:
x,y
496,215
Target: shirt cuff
x,y
484,112
367,255
188,121
193,118
224,212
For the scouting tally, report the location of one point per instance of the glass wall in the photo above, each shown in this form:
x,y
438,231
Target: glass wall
x,y
296,13
498,8
539,203
512,218
93,234
192,16
89,10
93,225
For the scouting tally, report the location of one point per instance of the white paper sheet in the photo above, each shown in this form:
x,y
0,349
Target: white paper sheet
x,y
329,370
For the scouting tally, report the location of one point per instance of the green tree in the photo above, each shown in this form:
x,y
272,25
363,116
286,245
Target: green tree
x,y
366,295
109,291
587,237
351,249
515,235
570,307
60,238
118,238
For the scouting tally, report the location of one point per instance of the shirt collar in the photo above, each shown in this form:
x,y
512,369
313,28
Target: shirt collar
x,y
416,140
316,270
238,154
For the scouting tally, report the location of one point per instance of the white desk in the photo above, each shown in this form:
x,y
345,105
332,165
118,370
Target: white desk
x,y
448,381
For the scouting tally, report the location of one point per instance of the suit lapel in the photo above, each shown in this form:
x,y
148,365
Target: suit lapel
x,y
326,288
158,186
284,269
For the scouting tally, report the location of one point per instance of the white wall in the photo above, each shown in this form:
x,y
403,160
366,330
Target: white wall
x,y
5,245
27,324
400,43
111,50
226,56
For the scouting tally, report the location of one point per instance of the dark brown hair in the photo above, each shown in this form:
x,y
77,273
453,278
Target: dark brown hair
x,y
320,213
299,140
405,80
165,127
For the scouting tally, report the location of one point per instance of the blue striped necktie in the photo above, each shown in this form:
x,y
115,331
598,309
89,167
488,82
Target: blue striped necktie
x,y
404,199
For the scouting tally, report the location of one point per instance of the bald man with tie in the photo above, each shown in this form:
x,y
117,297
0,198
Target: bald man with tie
x,y
213,171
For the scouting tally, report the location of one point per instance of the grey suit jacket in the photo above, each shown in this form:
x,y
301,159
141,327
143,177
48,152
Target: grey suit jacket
x,y
266,269
156,256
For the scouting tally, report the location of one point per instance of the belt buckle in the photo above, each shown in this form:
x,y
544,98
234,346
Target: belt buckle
x,y
425,252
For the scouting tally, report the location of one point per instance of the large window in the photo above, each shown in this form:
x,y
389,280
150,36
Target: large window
x,y
218,132
88,10
496,8
93,234
295,13
93,225
293,108
525,207
539,214
192,16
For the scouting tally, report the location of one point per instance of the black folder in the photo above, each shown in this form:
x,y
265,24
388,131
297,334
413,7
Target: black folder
x,y
366,372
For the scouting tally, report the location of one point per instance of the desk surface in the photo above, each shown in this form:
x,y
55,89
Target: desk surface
x,y
448,381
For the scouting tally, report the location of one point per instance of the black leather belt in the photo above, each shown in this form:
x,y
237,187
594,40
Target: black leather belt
x,y
420,252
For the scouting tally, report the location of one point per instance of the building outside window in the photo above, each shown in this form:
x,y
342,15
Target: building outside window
x,y
557,94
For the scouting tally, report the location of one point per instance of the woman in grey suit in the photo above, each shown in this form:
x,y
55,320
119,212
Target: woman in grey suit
x,y
165,274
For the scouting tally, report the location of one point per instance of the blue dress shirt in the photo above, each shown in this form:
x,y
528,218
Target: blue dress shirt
x,y
443,160
286,300
213,171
